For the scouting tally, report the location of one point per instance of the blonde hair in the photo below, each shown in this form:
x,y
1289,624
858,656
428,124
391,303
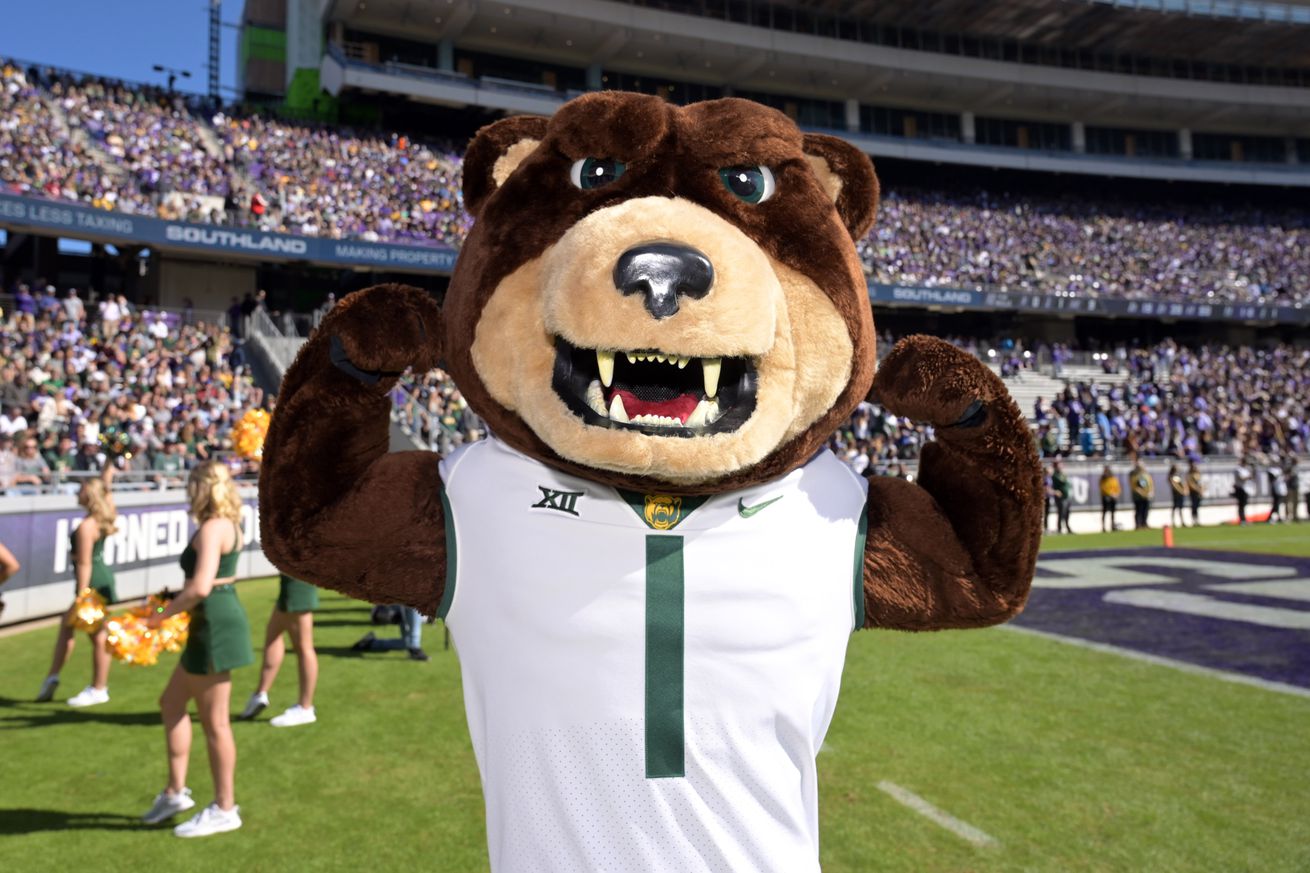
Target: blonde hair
x,y
213,494
99,505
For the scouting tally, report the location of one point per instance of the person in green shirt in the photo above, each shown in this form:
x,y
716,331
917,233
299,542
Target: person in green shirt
x,y
170,464
1060,485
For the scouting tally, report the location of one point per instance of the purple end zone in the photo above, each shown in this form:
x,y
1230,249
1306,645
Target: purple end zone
x,y
1273,653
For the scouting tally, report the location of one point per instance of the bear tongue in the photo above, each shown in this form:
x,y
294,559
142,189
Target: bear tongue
x,y
680,407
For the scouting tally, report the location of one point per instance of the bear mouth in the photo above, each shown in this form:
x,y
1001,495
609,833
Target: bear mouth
x,y
655,392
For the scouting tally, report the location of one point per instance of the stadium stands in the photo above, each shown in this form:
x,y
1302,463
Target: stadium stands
x,y
145,152
1080,247
78,382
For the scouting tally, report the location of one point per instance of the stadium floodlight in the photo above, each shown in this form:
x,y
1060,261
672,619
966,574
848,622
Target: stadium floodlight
x,y
173,73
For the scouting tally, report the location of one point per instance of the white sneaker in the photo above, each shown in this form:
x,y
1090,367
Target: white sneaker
x,y
210,820
168,805
48,686
257,703
296,715
89,696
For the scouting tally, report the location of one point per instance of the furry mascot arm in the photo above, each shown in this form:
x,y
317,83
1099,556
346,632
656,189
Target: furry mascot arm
x,y
959,548
335,508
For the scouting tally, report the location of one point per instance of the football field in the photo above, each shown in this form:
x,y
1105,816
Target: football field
x,y
1149,712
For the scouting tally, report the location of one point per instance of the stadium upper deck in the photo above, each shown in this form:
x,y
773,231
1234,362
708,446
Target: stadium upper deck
x,y
1182,89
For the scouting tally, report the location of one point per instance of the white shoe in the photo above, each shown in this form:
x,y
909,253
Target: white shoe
x,y
257,703
210,820
89,696
48,686
168,805
296,715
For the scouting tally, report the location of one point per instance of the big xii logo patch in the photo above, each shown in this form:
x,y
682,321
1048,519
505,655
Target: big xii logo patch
x,y
563,501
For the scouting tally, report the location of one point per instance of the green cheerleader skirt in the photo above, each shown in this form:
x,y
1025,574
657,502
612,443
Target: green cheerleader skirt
x,y
102,582
296,596
219,639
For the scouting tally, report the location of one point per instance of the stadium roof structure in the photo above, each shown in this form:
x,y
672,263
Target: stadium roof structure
x,y
1245,32
1042,60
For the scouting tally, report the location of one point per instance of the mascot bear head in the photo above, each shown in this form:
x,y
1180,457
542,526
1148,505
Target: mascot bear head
x,y
663,296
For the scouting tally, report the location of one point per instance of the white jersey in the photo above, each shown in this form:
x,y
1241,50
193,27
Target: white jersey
x,y
648,678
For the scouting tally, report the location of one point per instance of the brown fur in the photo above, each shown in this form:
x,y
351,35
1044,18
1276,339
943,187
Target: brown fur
x,y
957,549
335,508
667,150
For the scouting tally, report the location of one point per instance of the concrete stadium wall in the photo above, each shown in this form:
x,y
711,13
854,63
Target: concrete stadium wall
x,y
153,531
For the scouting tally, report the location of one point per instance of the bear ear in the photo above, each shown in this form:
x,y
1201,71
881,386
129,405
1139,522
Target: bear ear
x,y
495,152
846,173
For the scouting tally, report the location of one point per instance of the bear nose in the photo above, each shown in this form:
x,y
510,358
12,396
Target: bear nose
x,y
661,273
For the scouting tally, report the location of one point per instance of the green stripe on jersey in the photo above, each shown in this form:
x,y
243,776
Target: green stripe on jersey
x,y
665,754
861,537
448,592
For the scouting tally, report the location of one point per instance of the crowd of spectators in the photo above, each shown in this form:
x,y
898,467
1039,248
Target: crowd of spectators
x,y
431,408
143,150
322,181
83,383
37,154
1087,247
1185,403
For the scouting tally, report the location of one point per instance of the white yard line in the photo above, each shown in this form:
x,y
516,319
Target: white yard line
x,y
963,830
1225,675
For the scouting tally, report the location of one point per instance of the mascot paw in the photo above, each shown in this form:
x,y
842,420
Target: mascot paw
x,y
381,331
927,379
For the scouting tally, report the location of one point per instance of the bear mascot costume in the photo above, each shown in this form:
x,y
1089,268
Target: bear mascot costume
x,y
652,566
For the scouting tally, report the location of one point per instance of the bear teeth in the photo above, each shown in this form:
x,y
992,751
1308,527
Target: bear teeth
x,y
711,368
605,363
596,398
680,361
617,412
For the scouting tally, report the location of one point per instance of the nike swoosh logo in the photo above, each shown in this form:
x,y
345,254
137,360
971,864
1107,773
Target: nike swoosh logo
x,y
747,511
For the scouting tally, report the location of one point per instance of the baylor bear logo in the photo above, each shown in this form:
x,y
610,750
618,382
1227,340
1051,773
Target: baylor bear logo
x,y
663,511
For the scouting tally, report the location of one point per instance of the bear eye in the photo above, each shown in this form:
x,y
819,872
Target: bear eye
x,y
752,184
591,173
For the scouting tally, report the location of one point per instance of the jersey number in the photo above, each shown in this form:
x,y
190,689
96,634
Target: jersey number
x,y
665,752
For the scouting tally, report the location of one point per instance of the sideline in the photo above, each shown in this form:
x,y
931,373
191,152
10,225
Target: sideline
x,y
1183,666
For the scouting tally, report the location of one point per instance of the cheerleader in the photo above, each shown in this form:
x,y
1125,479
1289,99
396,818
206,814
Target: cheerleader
x,y
219,641
88,549
293,614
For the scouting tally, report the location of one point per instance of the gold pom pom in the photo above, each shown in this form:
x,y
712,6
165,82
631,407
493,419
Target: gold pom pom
x,y
249,433
129,639
88,611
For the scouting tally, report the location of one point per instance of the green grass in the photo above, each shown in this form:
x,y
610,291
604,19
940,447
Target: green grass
x,y
1073,760
1273,539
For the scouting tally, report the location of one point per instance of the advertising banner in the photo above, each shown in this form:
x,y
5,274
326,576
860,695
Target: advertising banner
x,y
911,295
83,222
153,530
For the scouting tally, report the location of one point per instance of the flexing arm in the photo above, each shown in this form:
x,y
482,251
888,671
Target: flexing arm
x,y
335,508
959,547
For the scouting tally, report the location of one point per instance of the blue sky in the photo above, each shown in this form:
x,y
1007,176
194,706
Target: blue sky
x,y
120,38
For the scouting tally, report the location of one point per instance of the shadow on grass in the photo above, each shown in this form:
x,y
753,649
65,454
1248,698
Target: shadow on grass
x,y
21,714
337,651
32,821
340,622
